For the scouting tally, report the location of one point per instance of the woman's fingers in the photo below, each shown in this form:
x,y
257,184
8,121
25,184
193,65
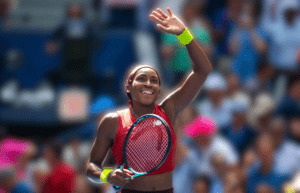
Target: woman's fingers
x,y
170,12
162,13
158,15
120,178
127,174
128,171
158,20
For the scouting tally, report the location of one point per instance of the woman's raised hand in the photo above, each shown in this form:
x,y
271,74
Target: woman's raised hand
x,y
168,23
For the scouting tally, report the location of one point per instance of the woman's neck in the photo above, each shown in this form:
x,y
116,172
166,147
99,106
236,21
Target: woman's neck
x,y
139,111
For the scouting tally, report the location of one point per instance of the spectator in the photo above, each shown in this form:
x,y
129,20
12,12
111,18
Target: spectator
x,y
17,153
261,112
219,164
289,106
239,132
201,184
287,152
233,183
77,40
247,44
9,182
269,15
249,159
62,176
264,171
204,143
233,85
294,129
216,105
224,21
76,153
284,49
174,51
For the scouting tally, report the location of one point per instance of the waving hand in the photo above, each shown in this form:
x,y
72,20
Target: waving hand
x,y
168,23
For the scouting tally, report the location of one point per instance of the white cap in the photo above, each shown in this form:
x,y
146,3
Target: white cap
x,y
264,103
242,102
215,81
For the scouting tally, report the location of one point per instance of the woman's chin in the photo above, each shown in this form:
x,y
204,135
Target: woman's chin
x,y
147,103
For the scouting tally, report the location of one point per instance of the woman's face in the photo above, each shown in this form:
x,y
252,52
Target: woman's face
x,y
145,87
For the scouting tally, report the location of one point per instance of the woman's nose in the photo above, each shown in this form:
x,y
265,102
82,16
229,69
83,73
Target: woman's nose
x,y
148,83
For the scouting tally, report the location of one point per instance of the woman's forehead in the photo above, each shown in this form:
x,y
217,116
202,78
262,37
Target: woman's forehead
x,y
146,71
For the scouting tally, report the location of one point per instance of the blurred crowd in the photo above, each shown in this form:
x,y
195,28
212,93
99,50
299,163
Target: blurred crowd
x,y
246,119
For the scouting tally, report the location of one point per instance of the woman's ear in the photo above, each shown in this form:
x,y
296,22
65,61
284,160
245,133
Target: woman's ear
x,y
128,88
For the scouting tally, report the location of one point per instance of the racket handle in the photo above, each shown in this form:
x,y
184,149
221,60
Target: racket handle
x,y
117,187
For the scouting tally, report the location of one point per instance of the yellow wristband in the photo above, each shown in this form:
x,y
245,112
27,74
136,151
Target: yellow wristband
x,y
186,37
104,174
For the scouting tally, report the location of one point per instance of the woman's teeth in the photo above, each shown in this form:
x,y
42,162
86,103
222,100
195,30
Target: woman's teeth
x,y
147,92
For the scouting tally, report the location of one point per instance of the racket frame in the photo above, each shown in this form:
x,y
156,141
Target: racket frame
x,y
124,159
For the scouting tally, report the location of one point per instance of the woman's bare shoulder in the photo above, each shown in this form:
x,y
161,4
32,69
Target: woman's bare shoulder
x,y
109,124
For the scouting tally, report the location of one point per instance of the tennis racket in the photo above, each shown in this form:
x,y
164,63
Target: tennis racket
x,y
146,146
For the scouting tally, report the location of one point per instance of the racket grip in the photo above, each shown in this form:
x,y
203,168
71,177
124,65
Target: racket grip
x,y
117,187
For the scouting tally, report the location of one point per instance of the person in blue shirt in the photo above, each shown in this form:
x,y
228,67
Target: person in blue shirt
x,y
289,106
224,20
239,132
247,44
263,171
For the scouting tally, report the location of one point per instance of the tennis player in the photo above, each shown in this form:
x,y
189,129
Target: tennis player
x,y
143,88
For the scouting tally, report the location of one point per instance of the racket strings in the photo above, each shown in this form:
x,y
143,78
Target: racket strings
x,y
147,145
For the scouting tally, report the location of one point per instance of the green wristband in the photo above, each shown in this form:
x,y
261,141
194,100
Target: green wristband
x,y
186,37
104,174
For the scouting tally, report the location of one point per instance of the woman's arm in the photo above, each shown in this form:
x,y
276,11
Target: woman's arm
x,y
101,146
103,142
179,99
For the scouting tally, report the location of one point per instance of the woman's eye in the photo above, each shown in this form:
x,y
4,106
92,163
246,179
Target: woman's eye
x,y
154,81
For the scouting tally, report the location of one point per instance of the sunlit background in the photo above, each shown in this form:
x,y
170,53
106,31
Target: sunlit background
x,y
63,65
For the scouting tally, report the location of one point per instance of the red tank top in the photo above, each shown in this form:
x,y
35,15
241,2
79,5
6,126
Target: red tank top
x,y
126,119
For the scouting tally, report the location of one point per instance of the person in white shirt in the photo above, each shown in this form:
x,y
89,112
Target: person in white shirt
x,y
216,104
284,38
287,152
